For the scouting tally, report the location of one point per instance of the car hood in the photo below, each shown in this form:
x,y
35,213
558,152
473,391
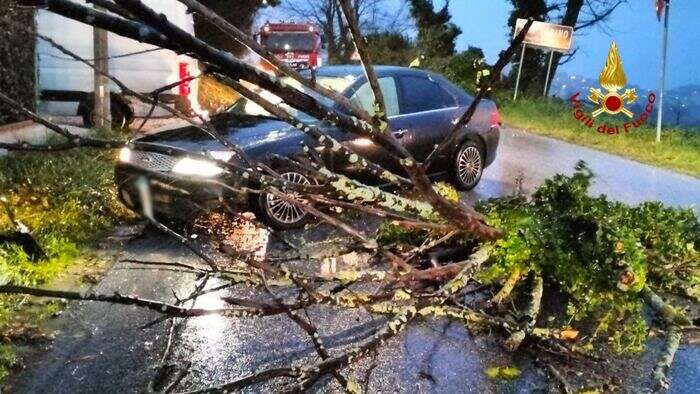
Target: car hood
x,y
246,132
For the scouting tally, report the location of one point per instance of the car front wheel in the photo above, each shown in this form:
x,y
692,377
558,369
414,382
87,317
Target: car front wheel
x,y
280,214
468,165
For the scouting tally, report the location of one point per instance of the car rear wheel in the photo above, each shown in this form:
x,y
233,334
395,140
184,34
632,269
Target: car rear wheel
x,y
280,214
122,114
468,165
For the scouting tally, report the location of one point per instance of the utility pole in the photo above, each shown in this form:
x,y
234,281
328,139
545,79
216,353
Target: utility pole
x,y
102,115
664,45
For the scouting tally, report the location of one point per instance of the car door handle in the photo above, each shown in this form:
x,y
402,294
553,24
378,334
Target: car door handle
x,y
400,133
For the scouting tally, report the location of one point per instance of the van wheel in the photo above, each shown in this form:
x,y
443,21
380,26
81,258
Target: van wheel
x,y
277,213
122,114
468,165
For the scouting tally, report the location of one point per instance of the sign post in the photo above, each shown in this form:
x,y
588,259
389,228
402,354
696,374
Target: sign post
x,y
549,70
545,36
520,69
664,45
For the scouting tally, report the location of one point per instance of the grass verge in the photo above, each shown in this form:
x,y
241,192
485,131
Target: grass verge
x,y
68,201
679,148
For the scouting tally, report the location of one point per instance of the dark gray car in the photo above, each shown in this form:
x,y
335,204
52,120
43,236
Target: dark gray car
x,y
421,107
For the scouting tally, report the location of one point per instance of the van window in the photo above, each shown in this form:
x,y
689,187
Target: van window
x,y
420,94
364,97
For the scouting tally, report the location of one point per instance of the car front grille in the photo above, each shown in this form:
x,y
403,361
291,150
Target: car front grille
x,y
152,161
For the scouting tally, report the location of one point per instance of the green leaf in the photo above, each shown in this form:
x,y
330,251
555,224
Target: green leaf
x,y
508,372
492,372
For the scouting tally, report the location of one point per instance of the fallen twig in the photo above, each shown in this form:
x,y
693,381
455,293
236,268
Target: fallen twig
x,y
529,315
507,287
674,321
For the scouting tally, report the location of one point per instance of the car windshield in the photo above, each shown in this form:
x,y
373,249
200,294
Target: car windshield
x,y
247,107
286,42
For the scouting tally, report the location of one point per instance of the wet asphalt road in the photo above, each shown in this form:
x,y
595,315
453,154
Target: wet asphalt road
x,y
101,348
535,158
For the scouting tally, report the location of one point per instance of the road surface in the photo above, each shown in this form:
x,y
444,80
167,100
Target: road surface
x,y
102,348
535,158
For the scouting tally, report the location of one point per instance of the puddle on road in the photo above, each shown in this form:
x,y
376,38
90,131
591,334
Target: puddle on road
x,y
211,327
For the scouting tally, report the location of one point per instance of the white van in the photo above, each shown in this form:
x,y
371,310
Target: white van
x,y
66,85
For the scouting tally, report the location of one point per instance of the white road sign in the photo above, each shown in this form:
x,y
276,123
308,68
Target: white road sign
x,y
546,35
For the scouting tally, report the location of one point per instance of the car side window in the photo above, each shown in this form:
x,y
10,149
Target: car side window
x,y
364,97
463,98
420,94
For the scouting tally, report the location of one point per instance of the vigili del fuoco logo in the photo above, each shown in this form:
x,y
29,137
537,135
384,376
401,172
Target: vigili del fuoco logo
x,y
610,101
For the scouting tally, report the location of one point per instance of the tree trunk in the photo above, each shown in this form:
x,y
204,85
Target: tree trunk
x,y
573,9
240,16
345,44
329,32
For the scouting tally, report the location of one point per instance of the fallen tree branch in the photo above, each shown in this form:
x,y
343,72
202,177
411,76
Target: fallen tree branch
x,y
116,298
507,287
675,321
380,120
466,117
310,330
561,380
158,28
529,315
663,364
668,313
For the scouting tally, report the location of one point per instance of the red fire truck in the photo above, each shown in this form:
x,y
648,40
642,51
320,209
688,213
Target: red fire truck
x,y
297,44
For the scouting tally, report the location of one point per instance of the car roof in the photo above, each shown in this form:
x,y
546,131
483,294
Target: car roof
x,y
356,70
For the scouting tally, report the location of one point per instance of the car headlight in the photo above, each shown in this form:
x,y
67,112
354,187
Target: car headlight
x,y
125,155
223,155
195,167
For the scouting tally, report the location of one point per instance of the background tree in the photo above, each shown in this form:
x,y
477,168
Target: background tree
x,y
677,107
578,14
534,58
459,68
391,48
436,34
241,15
17,47
375,17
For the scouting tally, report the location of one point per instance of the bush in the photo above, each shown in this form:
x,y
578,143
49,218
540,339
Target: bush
x,y
391,49
68,200
68,195
458,68
598,253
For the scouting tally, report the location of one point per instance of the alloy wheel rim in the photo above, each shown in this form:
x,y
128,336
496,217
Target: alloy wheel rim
x,y
284,211
469,165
